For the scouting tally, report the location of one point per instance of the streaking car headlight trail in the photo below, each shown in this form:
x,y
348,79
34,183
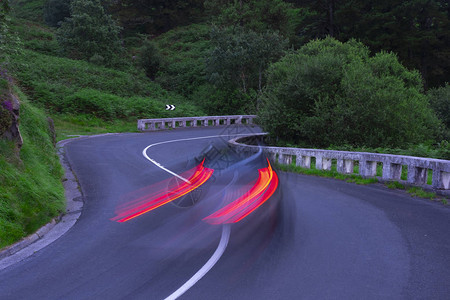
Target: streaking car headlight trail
x,y
237,210
144,204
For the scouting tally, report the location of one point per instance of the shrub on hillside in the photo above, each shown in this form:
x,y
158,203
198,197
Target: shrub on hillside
x,y
440,102
333,93
55,11
150,59
184,50
93,102
89,31
111,107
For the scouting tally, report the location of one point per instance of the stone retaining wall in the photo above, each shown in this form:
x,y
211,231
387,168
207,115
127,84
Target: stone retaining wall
x,y
417,167
167,123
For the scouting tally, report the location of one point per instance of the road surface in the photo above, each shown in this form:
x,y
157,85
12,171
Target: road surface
x,y
327,239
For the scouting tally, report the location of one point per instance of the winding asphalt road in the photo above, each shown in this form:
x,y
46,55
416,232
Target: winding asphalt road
x,y
327,240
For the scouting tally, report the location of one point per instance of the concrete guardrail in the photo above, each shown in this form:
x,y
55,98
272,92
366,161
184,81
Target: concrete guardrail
x,y
417,167
167,123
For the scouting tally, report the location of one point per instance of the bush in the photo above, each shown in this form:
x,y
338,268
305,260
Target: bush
x,y
440,102
55,11
150,59
184,50
333,93
89,31
223,102
92,102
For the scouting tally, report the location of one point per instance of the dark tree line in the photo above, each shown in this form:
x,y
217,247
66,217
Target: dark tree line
x,y
418,30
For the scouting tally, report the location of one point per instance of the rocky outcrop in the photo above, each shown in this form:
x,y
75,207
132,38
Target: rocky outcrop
x,y
9,118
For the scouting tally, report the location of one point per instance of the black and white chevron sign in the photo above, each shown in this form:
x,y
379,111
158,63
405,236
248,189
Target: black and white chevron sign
x,y
170,107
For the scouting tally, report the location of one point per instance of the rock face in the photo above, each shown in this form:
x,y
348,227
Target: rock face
x,y
9,113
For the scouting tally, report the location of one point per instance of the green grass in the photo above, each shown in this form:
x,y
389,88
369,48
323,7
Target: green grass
x,y
395,185
35,36
31,193
70,126
333,173
419,192
91,98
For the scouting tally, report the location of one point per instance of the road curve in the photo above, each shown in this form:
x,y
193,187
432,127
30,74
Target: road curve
x,y
328,240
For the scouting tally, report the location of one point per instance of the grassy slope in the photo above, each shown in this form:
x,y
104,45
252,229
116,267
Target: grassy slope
x,y
84,98
31,192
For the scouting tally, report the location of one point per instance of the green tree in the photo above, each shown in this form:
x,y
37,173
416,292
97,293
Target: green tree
x,y
55,11
89,32
418,30
150,59
333,93
256,15
156,16
240,57
440,102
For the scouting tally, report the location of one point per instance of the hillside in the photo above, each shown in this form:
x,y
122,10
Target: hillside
x,y
97,66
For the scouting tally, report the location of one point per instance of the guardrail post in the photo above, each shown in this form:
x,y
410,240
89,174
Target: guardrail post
x,y
273,156
306,162
391,171
367,168
285,159
326,164
417,175
319,162
441,180
340,166
349,166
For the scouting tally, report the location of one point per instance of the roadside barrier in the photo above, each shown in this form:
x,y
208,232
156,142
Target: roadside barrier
x,y
168,123
392,165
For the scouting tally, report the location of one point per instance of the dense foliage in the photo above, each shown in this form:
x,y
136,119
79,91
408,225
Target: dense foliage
x,y
68,86
184,50
155,16
333,93
417,30
9,43
256,15
440,102
150,59
90,33
55,11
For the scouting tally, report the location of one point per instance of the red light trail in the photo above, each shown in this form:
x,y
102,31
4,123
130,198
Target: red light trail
x,y
149,202
237,210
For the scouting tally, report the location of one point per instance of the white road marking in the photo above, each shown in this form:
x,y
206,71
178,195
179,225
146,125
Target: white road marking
x,y
225,229
144,152
209,264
